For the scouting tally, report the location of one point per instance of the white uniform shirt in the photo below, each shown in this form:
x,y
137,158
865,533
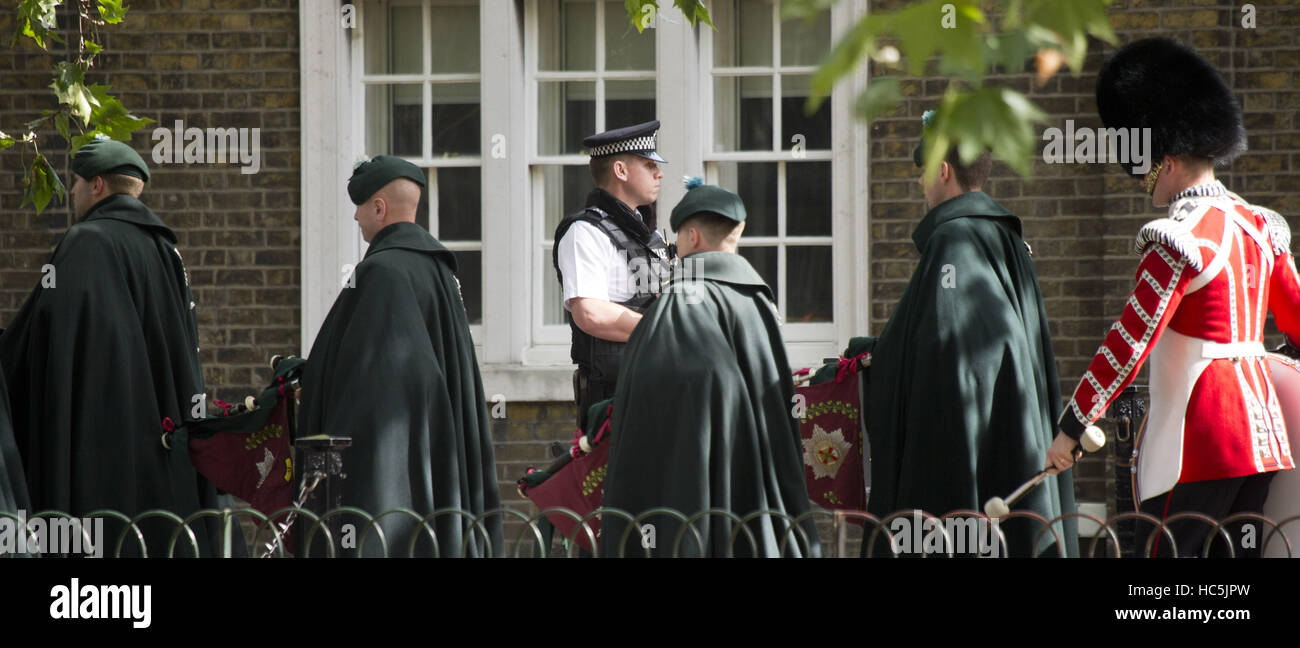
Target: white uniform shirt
x,y
592,267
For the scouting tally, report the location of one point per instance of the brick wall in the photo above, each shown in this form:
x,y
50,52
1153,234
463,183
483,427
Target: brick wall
x,y
1081,219
210,63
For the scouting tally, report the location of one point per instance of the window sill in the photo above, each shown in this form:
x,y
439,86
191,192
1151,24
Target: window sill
x,y
528,383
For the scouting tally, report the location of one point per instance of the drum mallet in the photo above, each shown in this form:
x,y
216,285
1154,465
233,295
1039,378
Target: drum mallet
x,y
1091,440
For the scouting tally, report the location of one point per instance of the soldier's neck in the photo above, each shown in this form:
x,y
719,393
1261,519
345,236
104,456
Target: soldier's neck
x,y
1193,178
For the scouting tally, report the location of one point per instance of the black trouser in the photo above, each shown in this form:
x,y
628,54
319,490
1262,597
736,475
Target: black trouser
x,y
587,391
1217,498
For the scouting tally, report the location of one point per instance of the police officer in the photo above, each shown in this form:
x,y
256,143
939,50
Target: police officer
x,y
610,261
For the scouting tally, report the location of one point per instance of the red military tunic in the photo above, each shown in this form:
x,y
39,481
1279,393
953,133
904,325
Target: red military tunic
x,y
1209,275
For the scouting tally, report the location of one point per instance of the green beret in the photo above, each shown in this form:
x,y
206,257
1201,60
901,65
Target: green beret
x,y
371,175
707,198
100,156
926,119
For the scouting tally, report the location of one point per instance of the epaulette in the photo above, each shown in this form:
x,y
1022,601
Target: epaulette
x,y
1279,232
1175,233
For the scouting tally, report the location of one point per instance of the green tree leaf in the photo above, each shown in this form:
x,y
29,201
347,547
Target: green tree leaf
x,y
695,12
643,13
880,97
1072,22
37,20
40,184
998,119
922,32
843,58
80,140
61,123
111,11
969,48
111,118
69,87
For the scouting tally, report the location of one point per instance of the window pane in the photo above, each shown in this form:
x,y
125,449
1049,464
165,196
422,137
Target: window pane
x,y
808,198
552,309
393,124
625,48
764,261
397,45
422,212
460,212
808,277
455,38
628,103
565,189
743,113
469,270
566,115
815,128
805,43
455,119
744,34
755,183
566,32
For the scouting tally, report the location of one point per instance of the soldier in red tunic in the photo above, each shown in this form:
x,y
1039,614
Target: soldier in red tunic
x,y
1211,271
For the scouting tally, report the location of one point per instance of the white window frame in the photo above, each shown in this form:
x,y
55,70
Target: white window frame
x,y
551,341
427,161
809,343
516,360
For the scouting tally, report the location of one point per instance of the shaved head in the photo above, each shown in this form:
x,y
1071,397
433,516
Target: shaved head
x,y
403,198
395,202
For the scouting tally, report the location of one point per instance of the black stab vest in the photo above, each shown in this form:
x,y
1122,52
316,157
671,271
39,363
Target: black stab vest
x,y
650,267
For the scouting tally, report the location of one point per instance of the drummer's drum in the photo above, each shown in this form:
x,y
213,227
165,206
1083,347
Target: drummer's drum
x,y
1284,492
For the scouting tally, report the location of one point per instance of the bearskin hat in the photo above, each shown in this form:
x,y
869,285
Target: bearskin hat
x,y
1159,84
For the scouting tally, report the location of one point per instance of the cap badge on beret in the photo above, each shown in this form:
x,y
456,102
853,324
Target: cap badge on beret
x,y
703,198
927,118
369,176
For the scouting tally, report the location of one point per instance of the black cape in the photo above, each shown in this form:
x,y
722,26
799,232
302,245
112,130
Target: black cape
x,y
104,350
963,390
702,419
393,367
13,485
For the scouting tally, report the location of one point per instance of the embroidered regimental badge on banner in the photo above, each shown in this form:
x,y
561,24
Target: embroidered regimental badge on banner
x,y
832,442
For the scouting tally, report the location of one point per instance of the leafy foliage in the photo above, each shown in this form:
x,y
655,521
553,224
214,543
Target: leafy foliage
x,y
970,46
90,109
643,13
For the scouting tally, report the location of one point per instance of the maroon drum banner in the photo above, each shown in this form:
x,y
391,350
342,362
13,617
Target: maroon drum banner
x,y
830,430
580,487
247,455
